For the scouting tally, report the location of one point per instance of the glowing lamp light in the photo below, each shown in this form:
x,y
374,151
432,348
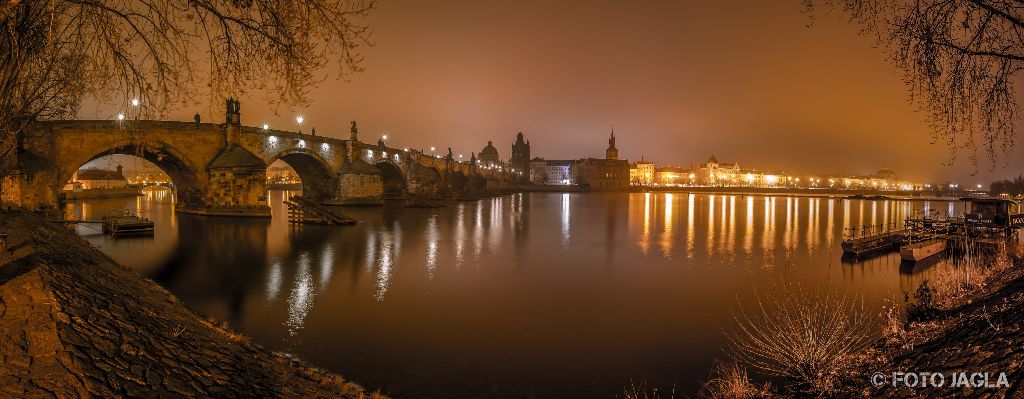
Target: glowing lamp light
x,y
369,153
266,126
385,137
324,146
272,139
433,149
120,117
302,143
299,119
135,102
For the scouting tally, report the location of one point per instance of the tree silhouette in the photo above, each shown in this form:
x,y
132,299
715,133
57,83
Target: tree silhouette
x,y
958,58
54,53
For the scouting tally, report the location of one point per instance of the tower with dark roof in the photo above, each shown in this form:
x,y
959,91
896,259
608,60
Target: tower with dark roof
x,y
520,160
611,152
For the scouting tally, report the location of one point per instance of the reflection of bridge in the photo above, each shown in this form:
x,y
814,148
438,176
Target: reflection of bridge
x,y
221,168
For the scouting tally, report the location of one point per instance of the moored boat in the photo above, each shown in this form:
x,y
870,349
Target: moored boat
x,y
122,223
922,250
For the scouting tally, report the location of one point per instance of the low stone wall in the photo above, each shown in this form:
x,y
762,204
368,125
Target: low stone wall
x,y
75,324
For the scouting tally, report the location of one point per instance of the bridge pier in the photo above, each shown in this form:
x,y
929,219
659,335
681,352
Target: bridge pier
x,y
28,188
359,183
237,185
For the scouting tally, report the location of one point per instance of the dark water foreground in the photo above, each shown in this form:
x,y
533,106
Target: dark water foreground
x,y
74,324
528,295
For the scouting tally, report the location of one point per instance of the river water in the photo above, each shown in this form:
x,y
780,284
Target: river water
x,y
527,295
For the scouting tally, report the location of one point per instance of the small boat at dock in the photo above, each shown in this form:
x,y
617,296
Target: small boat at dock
x,y
922,250
124,223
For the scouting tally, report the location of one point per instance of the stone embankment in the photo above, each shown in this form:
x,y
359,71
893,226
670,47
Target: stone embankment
x,y
75,324
969,346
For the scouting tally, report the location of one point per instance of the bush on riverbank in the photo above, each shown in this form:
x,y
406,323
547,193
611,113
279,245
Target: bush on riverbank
x,y
731,381
948,305
807,336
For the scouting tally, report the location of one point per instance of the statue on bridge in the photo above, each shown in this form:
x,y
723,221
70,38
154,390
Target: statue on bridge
x,y
353,132
197,118
233,111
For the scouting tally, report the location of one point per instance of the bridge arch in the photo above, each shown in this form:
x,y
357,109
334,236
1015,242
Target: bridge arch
x,y
392,178
476,183
456,181
424,180
318,179
188,182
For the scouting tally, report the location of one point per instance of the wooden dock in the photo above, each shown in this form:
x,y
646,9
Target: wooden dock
x,y
302,210
873,243
925,236
124,223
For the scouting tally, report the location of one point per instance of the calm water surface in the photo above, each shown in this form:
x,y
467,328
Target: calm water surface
x,y
528,295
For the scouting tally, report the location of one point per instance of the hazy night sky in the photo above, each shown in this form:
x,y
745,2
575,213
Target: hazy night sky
x,y
746,81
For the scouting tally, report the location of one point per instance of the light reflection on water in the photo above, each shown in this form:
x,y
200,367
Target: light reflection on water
x,y
547,295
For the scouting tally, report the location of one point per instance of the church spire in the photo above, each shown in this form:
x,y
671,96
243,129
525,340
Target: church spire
x,y
611,152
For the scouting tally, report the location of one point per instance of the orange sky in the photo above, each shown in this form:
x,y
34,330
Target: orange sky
x,y
746,81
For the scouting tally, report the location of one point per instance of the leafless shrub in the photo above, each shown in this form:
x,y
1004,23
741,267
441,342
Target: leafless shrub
x,y
894,322
806,335
969,275
731,381
641,391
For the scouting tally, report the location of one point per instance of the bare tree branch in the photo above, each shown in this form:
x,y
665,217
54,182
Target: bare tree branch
x,y
959,58
56,52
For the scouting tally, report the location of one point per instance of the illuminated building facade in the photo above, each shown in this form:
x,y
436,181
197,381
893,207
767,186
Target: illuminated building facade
x,y
552,172
673,176
100,178
641,173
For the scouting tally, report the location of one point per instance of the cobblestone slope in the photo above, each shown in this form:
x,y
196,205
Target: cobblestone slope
x,y
75,324
984,336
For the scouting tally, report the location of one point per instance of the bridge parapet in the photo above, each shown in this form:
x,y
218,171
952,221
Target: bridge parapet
x,y
223,165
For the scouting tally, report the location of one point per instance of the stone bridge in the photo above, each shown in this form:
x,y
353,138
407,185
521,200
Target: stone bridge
x,y
221,168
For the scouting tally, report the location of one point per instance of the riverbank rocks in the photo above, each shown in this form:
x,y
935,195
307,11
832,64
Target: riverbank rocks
x,y
969,346
75,324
